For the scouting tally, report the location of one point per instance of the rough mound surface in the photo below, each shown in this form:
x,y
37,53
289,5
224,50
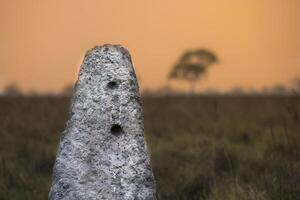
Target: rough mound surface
x,y
102,152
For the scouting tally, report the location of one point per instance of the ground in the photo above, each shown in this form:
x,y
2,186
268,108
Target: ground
x,y
202,147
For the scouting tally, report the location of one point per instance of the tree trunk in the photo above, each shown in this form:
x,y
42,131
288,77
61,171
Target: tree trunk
x,y
192,87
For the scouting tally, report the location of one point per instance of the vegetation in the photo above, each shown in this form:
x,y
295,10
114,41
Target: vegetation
x,y
193,65
12,89
202,147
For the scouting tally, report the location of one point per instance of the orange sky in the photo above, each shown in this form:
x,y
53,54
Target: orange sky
x,y
257,41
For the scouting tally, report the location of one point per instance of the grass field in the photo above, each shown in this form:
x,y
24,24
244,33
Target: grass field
x,y
212,148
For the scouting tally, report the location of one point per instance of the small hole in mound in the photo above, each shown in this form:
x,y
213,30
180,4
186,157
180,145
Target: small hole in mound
x,y
116,129
112,85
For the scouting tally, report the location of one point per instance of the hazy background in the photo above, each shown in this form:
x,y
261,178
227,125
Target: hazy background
x,y
236,140
43,42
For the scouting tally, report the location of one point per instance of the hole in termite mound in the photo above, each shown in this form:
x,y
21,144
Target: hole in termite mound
x,y
116,129
112,85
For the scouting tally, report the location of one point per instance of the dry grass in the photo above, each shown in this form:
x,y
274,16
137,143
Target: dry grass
x,y
213,148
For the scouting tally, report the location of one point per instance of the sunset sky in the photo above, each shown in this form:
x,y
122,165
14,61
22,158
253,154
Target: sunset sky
x,y
42,42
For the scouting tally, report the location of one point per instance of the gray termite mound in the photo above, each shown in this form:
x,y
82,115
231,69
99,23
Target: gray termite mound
x,y
102,152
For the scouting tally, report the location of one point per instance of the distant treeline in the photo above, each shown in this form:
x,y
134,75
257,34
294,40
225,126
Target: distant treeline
x,y
292,89
13,89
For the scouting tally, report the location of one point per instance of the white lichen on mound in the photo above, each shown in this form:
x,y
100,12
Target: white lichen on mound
x,y
102,152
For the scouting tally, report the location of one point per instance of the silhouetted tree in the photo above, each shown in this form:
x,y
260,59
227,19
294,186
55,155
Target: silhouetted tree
x,y
193,65
12,89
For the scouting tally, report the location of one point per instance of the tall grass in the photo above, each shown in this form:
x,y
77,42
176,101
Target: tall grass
x,y
209,148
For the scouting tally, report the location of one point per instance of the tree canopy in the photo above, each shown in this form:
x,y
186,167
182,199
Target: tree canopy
x,y
193,65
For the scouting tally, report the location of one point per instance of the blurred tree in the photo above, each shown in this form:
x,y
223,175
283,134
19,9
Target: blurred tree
x,y
253,91
211,91
67,90
165,90
276,90
296,84
192,66
12,89
279,89
33,93
238,90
